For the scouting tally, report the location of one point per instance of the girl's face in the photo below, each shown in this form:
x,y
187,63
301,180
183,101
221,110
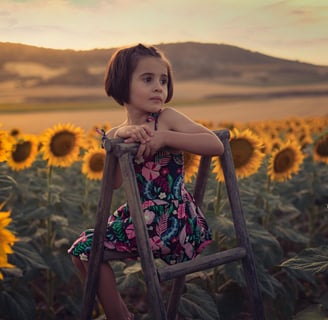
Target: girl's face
x,y
148,87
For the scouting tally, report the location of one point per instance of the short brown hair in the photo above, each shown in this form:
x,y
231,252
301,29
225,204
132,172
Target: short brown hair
x,y
121,66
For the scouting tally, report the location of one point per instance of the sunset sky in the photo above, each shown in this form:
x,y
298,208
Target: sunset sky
x,y
291,29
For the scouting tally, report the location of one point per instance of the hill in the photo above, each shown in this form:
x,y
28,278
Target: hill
x,y
26,71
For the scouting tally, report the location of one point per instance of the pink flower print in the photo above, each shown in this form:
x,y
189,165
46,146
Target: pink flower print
x,y
203,245
189,250
130,231
155,243
151,170
182,211
165,250
147,204
163,183
160,202
122,247
149,216
109,245
165,171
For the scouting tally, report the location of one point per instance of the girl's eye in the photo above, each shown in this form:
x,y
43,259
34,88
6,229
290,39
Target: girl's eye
x,y
147,79
163,81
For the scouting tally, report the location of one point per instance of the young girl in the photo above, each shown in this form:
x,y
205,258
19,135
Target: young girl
x,y
140,79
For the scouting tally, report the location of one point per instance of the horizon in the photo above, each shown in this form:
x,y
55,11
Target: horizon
x,y
166,43
295,30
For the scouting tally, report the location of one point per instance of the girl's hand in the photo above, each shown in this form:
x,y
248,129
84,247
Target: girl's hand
x,y
135,133
151,147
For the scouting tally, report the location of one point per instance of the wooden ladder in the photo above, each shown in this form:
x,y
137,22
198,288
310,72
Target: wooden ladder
x,y
116,151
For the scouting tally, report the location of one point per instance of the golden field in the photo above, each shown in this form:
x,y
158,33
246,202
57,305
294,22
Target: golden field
x,y
190,98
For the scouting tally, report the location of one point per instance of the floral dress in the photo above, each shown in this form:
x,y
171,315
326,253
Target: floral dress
x,y
176,226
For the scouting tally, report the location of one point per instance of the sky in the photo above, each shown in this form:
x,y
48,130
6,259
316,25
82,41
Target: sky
x,y
289,29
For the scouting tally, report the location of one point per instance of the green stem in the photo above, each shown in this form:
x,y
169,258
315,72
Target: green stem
x,y
49,273
86,196
267,218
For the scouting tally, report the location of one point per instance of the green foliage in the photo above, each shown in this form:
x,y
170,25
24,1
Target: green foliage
x,y
196,303
287,223
314,260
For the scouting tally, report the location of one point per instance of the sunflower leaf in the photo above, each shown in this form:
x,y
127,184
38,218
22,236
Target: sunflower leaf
x,y
314,260
196,303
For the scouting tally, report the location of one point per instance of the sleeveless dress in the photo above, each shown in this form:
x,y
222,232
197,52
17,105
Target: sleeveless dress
x,y
177,228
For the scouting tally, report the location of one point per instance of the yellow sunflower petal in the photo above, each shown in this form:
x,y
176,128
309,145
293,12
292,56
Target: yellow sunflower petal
x,y
93,163
24,152
246,149
191,163
61,145
285,161
7,240
6,143
320,148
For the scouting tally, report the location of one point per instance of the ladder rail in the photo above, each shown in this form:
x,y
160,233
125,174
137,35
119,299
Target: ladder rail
x,y
118,152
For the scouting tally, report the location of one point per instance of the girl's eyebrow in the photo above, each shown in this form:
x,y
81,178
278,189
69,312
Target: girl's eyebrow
x,y
152,73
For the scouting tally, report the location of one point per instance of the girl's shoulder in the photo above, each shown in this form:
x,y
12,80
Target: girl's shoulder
x,y
168,114
176,120
111,132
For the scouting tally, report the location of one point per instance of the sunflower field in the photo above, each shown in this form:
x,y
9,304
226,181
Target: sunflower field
x,y
49,192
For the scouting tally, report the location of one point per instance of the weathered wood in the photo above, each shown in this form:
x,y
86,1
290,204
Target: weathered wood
x,y
110,255
174,299
103,211
243,252
146,255
201,263
201,179
241,232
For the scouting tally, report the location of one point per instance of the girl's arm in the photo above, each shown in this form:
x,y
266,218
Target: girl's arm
x,y
178,131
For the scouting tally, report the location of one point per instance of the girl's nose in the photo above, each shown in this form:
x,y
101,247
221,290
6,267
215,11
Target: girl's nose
x,y
158,87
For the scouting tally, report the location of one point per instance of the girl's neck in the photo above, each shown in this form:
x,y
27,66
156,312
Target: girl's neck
x,y
137,118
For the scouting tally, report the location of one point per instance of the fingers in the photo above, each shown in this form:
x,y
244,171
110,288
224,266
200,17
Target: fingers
x,y
140,134
140,153
144,151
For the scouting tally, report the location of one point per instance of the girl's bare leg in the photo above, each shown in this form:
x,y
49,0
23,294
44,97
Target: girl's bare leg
x,y
108,295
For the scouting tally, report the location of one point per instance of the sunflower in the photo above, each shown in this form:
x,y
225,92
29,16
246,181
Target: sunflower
x,y
7,240
320,148
285,161
61,144
15,132
191,163
23,153
6,142
246,153
93,164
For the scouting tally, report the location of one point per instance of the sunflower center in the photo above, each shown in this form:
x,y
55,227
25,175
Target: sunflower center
x,y
96,163
242,151
62,143
22,151
322,148
284,160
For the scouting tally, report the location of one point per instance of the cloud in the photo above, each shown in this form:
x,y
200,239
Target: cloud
x,y
279,27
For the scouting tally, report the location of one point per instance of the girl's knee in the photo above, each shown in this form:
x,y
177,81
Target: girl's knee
x,y
80,265
76,261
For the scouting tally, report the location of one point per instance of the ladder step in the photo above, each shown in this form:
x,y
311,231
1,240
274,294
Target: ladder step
x,y
116,255
201,263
